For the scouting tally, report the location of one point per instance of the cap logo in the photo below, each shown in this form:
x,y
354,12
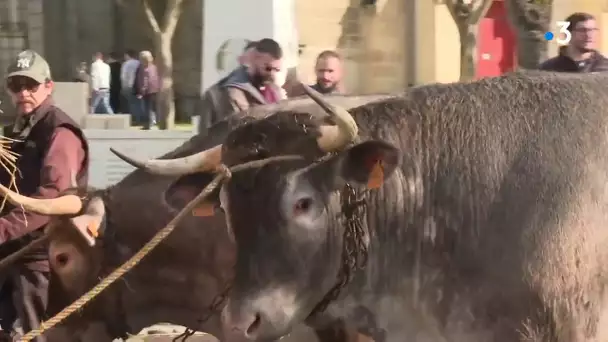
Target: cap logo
x,y
23,63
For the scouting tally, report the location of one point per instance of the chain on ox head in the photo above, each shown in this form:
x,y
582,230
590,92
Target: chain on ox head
x,y
332,138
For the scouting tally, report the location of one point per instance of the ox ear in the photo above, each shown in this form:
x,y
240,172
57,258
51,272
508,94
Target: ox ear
x,y
369,163
186,188
89,224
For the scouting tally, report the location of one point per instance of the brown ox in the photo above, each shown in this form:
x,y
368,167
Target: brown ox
x,y
178,281
487,208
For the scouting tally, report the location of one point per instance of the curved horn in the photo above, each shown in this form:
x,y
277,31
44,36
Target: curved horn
x,y
64,205
334,137
206,160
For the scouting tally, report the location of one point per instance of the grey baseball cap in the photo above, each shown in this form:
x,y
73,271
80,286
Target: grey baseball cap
x,y
29,63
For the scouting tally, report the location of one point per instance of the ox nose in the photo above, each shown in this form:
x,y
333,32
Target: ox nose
x,y
244,327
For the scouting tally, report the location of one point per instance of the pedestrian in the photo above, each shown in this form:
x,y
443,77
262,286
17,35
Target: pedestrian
x,y
147,86
127,79
115,86
100,85
580,55
328,71
213,104
52,152
255,84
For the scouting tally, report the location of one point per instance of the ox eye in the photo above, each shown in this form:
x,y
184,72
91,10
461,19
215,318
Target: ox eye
x,y
302,206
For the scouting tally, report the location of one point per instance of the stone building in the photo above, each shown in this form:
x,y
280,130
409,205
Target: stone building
x,y
387,44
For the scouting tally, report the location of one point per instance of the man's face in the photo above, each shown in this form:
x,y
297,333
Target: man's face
x,y
329,72
584,36
265,68
26,93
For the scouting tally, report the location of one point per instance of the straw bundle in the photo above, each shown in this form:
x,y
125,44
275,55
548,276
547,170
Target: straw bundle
x,y
8,160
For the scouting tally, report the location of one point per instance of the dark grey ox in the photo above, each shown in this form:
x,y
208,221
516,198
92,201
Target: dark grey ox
x,y
179,280
490,223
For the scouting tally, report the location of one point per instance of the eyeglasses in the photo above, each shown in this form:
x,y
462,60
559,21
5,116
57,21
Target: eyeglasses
x,y
17,84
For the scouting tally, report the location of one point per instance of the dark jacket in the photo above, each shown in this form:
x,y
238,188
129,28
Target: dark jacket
x,y
36,178
563,63
147,80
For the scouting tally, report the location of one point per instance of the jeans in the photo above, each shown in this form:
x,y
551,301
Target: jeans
x,y
135,106
101,98
150,110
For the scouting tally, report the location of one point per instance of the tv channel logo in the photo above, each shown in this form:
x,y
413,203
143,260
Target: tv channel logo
x,y
563,35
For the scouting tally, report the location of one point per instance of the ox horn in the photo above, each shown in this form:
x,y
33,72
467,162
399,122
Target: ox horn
x,y
203,161
334,137
64,205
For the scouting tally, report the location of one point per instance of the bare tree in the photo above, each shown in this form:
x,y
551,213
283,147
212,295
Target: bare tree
x,y
531,19
163,36
466,15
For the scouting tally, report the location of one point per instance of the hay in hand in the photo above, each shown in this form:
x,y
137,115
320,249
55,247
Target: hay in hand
x,y
8,161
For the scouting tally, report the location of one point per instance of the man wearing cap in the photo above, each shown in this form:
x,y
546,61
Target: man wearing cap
x,y
53,153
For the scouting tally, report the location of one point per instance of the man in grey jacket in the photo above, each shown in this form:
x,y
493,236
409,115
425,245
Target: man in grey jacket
x,y
250,84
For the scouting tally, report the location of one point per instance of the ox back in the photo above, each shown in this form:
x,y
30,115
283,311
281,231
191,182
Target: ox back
x,y
494,228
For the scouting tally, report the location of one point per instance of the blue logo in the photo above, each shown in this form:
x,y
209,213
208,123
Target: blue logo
x,y
549,35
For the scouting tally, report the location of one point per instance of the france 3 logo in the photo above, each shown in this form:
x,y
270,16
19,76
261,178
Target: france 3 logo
x,y
563,34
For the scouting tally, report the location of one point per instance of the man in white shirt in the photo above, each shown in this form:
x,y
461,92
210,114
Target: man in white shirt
x,y
127,78
100,85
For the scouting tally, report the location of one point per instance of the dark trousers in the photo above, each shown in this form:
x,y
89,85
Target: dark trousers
x,y
23,302
149,110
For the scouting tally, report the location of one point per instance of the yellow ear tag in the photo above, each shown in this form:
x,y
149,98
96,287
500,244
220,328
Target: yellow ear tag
x,y
376,176
203,210
93,229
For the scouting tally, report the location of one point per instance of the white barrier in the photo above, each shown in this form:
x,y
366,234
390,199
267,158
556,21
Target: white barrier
x,y
106,168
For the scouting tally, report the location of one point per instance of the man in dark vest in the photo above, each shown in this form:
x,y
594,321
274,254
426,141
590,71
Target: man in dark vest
x,y
53,154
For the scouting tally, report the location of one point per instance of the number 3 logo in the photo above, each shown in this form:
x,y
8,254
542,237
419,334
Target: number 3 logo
x,y
563,29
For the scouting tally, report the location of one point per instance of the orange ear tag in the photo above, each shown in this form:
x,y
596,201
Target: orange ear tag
x,y
93,229
376,176
203,210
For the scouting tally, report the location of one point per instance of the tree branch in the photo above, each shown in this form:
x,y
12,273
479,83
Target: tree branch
x,y
450,4
480,11
151,18
171,17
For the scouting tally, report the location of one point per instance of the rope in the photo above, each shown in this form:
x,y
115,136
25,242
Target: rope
x,y
223,172
124,268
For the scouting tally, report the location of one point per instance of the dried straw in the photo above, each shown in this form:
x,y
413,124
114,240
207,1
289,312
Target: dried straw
x,y
8,161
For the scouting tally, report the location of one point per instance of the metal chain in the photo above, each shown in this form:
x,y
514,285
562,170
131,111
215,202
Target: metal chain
x,y
354,249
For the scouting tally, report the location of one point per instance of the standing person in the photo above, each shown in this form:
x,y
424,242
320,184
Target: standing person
x,y
100,85
115,86
147,86
127,80
214,103
328,70
255,84
53,151
580,55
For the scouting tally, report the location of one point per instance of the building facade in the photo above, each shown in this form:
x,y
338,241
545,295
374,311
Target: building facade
x,y
387,44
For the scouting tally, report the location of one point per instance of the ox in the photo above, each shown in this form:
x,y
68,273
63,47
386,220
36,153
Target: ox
x,y
179,280
482,213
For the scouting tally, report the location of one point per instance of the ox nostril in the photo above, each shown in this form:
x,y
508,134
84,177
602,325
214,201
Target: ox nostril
x,y
62,259
254,328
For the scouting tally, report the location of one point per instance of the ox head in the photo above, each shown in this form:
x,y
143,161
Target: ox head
x,y
286,215
75,223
